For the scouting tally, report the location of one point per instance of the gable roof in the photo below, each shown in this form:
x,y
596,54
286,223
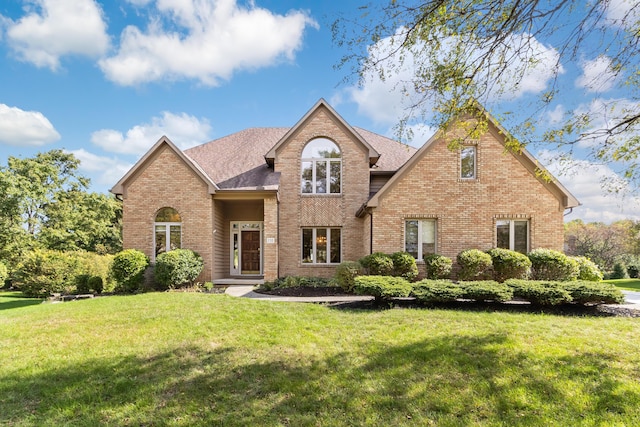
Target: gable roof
x,y
119,188
524,157
271,154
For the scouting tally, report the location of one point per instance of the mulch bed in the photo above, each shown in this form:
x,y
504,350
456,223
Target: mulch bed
x,y
608,310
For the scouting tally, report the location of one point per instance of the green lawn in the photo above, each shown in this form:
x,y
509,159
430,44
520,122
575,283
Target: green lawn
x,y
183,359
628,284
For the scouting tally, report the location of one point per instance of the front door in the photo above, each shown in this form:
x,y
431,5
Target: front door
x,y
250,257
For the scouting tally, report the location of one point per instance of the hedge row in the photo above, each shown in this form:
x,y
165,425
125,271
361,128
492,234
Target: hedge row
x,y
41,273
536,292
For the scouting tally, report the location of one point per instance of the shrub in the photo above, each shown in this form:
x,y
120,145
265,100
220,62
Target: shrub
x,y
430,291
587,269
539,292
177,267
377,264
547,264
619,271
486,290
297,281
382,287
584,292
42,272
128,270
346,273
404,265
437,266
508,264
474,264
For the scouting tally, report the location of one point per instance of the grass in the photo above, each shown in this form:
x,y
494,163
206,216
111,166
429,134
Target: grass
x,y
628,284
183,359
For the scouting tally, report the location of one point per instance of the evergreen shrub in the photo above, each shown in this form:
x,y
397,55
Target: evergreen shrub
x,y
404,265
127,270
437,266
508,264
377,264
177,267
547,264
474,264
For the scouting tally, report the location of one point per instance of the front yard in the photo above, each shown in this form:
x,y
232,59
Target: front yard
x,y
198,359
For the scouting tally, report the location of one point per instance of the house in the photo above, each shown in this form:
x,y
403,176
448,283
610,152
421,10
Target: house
x,y
271,202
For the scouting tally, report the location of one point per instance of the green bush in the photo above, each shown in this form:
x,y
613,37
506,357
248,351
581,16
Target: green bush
x,y
508,264
382,287
619,271
404,265
584,292
437,266
177,267
540,292
127,270
587,269
431,291
41,272
486,290
377,264
547,264
297,281
474,265
346,273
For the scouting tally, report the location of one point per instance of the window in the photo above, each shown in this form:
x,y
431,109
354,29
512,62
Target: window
x,y
468,162
321,167
513,235
420,237
167,230
321,245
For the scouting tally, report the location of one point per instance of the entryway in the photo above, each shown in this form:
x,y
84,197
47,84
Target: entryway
x,y
246,248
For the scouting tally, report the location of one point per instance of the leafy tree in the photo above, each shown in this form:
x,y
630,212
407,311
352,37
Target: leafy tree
x,y
447,55
44,203
602,243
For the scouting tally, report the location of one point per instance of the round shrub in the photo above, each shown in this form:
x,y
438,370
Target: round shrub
x,y
96,284
547,264
430,291
486,290
437,266
128,268
346,274
474,264
377,264
587,269
404,265
508,264
539,292
178,267
382,287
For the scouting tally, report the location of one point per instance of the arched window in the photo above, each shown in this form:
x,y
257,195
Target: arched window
x,y
321,167
168,230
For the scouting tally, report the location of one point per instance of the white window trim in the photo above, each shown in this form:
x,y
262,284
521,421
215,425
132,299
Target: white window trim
x,y
475,163
512,233
435,235
314,247
167,236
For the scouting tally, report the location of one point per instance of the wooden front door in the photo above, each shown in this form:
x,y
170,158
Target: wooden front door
x,y
250,252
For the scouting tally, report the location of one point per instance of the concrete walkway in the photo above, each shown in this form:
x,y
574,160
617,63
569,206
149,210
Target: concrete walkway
x,y
245,291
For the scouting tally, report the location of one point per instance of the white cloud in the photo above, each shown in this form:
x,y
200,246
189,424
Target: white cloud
x,y
208,40
386,100
182,129
55,28
108,169
556,115
622,13
25,128
597,75
585,181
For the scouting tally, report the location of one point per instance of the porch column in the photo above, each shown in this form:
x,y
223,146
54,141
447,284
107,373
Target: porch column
x,y
270,234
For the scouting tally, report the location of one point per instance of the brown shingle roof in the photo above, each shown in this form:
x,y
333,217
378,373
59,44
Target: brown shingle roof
x,y
237,160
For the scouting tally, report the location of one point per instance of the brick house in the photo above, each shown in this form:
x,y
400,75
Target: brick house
x,y
271,202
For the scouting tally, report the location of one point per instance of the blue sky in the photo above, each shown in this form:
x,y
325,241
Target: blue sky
x,y
106,79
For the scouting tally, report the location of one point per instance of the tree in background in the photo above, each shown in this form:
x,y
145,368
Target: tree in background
x,y
444,56
44,203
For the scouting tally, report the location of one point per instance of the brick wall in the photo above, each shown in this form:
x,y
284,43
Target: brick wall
x,y
166,181
466,211
297,210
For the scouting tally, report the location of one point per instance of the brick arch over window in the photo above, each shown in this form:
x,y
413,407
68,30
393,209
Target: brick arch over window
x,y
321,167
167,229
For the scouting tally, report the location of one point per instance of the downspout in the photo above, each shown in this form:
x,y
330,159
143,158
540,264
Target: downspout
x,y
371,232
570,211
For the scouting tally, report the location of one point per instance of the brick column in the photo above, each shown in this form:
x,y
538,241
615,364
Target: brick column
x,y
270,244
